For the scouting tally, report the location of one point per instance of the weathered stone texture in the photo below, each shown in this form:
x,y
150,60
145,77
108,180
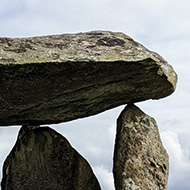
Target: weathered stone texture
x,y
140,160
58,78
43,159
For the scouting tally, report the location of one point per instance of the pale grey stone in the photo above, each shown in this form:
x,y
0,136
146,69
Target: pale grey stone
x,y
140,160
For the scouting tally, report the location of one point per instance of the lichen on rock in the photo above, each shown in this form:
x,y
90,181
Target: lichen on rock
x,y
58,78
44,159
140,160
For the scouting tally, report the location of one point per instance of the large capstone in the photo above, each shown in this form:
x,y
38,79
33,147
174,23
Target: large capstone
x,y
44,159
52,79
140,160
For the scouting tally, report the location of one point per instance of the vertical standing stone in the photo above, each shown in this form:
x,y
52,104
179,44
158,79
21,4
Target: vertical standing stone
x,y
42,159
140,160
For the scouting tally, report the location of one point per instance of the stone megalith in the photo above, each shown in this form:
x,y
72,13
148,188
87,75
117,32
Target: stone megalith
x,y
52,79
140,160
44,159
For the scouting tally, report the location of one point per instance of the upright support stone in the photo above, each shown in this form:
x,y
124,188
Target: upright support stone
x,y
140,160
44,159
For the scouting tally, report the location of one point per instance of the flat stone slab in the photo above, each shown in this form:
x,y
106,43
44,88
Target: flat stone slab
x,y
52,79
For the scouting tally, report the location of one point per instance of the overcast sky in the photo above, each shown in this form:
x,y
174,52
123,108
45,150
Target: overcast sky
x,y
162,26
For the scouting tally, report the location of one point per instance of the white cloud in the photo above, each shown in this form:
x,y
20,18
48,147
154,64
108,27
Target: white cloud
x,y
105,178
179,160
8,137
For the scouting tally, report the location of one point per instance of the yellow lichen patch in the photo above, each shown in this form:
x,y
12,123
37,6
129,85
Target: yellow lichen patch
x,y
7,170
49,138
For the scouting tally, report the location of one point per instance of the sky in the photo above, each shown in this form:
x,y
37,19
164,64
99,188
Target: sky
x,y
160,25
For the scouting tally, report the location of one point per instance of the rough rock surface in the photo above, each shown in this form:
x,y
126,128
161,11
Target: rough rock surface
x,y
58,78
140,160
44,159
